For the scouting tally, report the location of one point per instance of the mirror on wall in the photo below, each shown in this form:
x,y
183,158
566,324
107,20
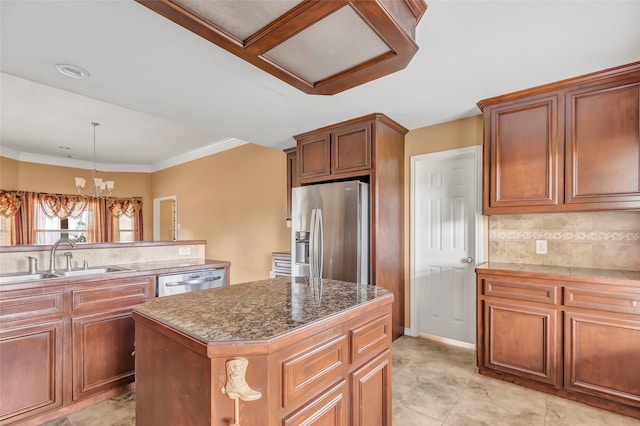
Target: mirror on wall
x,y
165,218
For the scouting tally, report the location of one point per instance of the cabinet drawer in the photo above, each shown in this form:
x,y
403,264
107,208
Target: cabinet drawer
x,y
312,371
31,306
120,293
613,299
542,292
330,408
370,338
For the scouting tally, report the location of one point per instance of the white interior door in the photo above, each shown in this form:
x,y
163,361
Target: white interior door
x,y
445,221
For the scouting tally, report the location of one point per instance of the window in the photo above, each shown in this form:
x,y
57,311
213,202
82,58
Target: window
x,y
123,228
5,230
48,230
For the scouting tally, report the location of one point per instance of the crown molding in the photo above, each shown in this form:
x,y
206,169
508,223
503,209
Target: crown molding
x,y
214,148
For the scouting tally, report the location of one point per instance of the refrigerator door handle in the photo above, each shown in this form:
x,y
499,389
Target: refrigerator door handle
x,y
320,243
312,243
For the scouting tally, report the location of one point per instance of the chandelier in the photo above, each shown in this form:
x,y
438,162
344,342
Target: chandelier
x,y
102,188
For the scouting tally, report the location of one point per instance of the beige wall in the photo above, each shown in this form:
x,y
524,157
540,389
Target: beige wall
x,y
236,201
9,170
440,137
24,176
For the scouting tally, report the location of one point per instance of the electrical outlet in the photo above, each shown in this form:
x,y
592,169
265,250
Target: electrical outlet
x,y
184,251
541,246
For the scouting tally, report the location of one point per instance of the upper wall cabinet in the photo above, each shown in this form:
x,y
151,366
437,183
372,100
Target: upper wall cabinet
x,y
339,152
573,145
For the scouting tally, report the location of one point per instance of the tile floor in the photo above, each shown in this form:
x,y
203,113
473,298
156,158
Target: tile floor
x,y
434,383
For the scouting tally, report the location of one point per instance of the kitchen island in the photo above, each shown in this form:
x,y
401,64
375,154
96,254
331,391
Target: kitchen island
x,y
285,351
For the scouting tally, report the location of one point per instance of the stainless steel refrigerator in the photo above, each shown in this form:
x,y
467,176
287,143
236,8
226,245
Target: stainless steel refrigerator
x,y
330,231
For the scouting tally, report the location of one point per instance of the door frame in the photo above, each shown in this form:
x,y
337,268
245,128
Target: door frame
x,y
156,216
476,152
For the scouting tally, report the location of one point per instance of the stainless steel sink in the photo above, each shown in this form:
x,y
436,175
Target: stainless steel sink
x,y
92,271
26,277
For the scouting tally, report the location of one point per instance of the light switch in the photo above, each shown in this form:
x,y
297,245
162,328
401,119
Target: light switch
x,y
541,246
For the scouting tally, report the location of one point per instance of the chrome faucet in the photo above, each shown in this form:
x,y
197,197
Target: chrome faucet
x,y
52,258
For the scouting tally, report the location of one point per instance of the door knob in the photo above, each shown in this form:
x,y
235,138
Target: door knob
x,y
469,260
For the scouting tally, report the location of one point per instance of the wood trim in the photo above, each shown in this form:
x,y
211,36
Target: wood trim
x,y
603,75
379,18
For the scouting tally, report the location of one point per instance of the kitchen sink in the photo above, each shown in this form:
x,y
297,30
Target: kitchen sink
x,y
92,271
26,277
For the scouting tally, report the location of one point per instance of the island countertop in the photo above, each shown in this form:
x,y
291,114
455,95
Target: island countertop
x,y
257,310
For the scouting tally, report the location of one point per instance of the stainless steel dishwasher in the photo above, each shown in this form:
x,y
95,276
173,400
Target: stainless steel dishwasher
x,y
190,281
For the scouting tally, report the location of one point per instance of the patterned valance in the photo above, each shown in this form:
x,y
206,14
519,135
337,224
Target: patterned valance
x,y
10,202
62,205
127,206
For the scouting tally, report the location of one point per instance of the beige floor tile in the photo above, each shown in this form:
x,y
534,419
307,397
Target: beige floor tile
x,y
403,416
564,412
487,401
427,389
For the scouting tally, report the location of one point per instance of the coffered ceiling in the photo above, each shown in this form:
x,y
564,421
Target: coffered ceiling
x,y
164,95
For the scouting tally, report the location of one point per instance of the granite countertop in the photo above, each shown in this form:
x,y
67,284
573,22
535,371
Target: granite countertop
x,y
257,310
160,266
131,270
563,271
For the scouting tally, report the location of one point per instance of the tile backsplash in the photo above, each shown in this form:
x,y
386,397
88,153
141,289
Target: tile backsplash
x,y
605,240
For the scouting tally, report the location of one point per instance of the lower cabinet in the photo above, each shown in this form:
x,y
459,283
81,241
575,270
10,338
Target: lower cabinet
x,y
103,357
371,396
524,327
602,355
66,343
523,340
31,361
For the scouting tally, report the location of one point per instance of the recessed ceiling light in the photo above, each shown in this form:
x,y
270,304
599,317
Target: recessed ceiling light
x,y
72,71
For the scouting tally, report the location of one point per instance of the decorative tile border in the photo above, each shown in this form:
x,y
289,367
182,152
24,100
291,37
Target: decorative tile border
x,y
624,237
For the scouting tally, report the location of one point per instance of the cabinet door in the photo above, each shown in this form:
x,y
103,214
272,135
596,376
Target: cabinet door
x,y
314,155
102,352
603,146
292,176
371,392
601,355
521,339
30,370
351,148
523,156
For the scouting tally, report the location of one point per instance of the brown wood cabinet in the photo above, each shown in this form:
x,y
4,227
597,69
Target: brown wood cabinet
x,y
67,344
526,321
335,371
31,357
292,175
573,145
371,149
343,150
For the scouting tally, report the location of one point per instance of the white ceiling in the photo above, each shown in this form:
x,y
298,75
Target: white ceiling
x,y
164,95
